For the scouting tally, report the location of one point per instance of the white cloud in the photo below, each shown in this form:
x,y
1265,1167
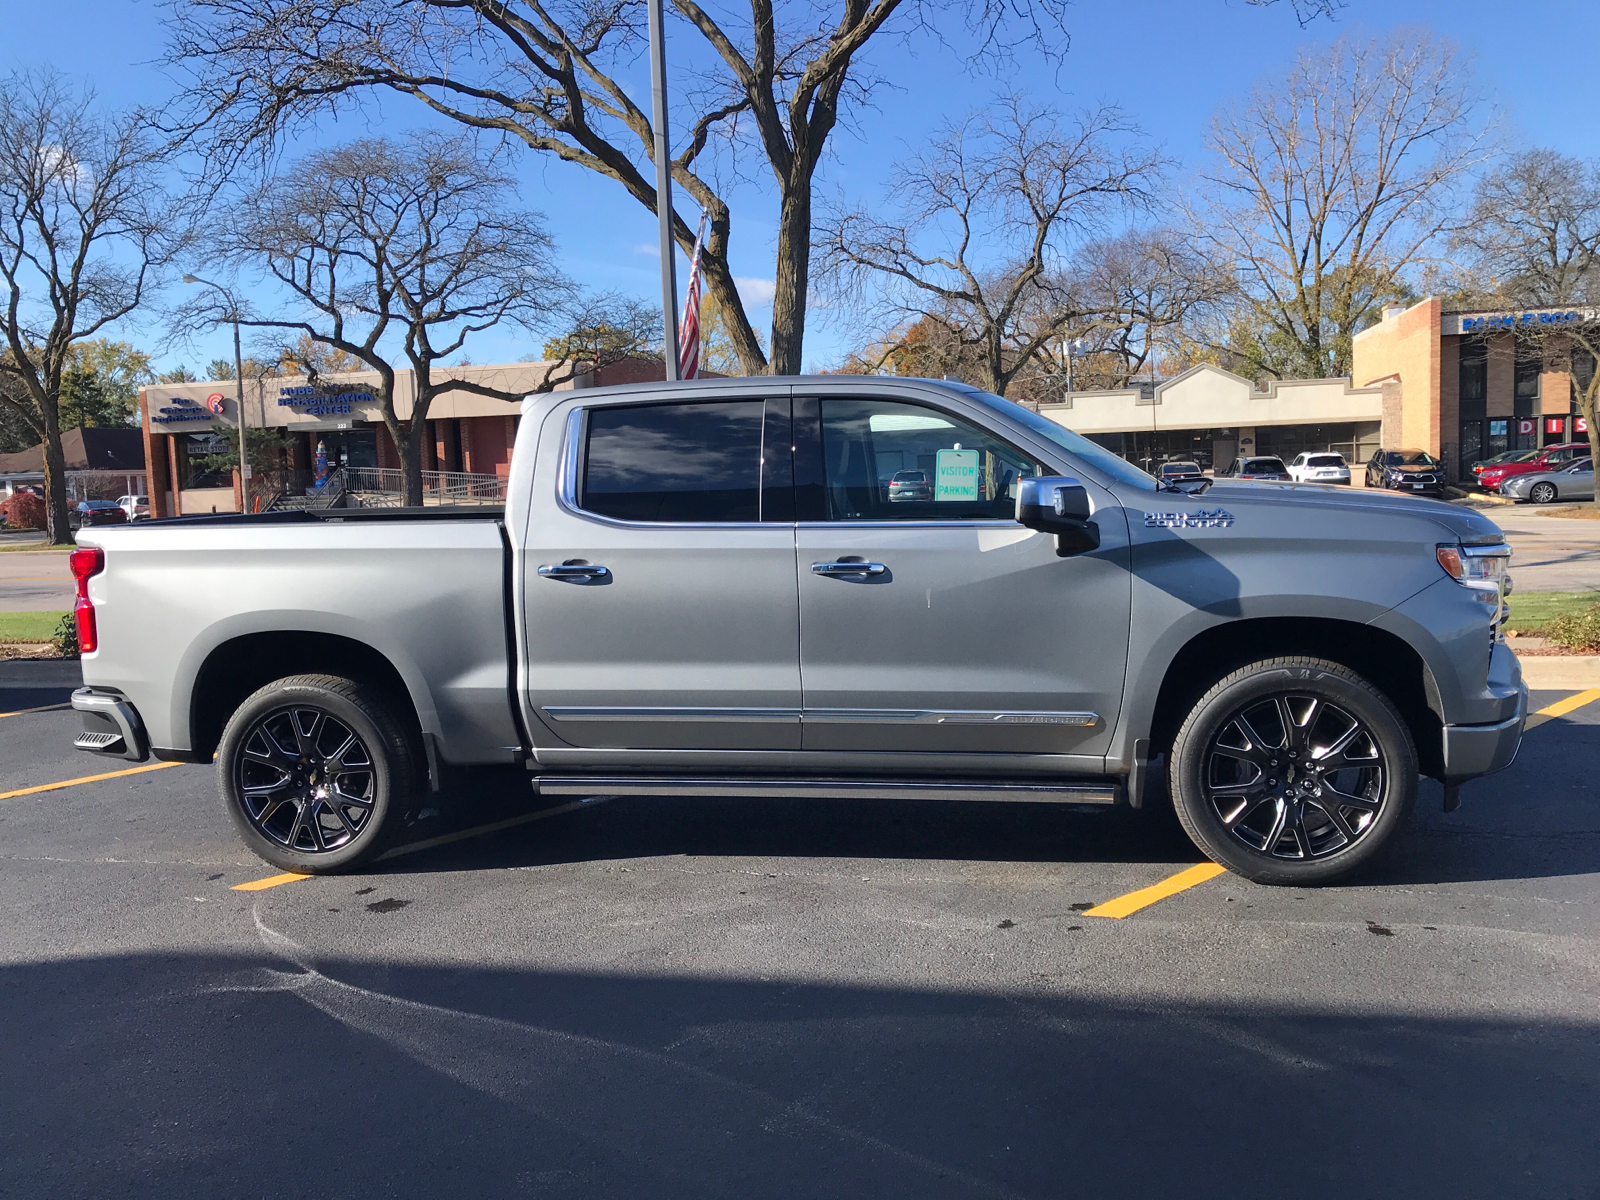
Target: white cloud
x,y
756,293
649,249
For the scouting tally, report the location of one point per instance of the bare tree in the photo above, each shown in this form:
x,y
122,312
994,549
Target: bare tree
x,y
410,246
555,74
1331,184
988,217
85,229
1138,292
1533,242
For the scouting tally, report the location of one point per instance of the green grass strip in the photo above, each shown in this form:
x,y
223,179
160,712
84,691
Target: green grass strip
x,y
29,626
1532,611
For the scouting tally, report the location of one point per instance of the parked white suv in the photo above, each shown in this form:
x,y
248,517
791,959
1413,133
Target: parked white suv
x,y
137,507
1319,467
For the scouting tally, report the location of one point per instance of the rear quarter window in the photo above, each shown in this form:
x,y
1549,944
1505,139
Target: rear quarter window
x,y
674,462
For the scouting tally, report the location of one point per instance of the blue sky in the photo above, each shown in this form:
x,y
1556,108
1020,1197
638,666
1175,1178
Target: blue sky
x,y
1168,63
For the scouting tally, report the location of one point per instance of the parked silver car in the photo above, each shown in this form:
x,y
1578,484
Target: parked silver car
x,y
1575,482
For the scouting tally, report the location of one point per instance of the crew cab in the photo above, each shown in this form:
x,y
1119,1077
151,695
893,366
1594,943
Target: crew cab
x,y
704,588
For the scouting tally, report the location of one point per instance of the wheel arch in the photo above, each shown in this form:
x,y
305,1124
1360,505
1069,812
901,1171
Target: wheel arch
x,y
239,666
1382,658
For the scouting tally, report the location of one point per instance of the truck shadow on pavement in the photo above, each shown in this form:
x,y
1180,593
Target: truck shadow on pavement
x,y
1538,819
641,827
276,1073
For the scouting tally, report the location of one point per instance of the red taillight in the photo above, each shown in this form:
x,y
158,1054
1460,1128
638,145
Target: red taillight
x,y
86,561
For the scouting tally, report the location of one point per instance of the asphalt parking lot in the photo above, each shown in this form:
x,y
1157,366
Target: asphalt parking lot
x,y
719,998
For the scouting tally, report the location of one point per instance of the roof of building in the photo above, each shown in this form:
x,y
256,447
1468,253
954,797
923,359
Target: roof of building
x,y
84,450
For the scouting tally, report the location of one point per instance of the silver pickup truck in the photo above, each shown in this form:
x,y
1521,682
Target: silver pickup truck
x,y
714,588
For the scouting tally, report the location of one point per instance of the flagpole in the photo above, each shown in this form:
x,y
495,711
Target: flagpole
x,y
669,272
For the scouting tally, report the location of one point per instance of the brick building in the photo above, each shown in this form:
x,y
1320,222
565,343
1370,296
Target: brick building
x,y
1468,385
467,434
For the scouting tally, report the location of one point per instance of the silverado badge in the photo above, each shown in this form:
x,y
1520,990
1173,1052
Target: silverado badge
x,y
1201,518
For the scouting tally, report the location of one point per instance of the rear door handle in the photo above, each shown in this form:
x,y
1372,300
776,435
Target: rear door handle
x,y
572,571
848,568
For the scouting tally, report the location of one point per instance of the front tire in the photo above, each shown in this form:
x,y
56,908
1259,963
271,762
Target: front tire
x,y
318,773
1293,771
1542,493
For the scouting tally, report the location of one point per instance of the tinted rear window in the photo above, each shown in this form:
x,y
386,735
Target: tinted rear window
x,y
1256,465
675,462
1324,460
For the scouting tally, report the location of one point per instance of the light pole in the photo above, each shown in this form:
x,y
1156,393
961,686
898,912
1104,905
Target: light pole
x,y
669,265
238,380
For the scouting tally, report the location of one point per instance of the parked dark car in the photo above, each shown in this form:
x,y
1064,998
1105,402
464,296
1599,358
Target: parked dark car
x,y
1265,467
1406,471
101,512
1181,472
910,485
1551,458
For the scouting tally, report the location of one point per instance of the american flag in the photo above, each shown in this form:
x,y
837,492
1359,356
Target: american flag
x,y
689,328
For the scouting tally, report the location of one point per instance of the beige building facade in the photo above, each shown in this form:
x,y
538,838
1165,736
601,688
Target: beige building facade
x,y
1211,416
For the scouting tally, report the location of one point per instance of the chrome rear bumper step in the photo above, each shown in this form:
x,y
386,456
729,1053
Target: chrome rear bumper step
x,y
1008,791
112,726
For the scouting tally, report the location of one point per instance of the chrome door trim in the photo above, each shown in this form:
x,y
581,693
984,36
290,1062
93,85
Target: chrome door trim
x,y
986,523
567,489
743,716
948,716
829,789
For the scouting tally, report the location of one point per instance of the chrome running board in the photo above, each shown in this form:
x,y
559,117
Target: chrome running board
x,y
830,789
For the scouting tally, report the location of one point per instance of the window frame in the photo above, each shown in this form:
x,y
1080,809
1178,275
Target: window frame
x,y
774,480
810,476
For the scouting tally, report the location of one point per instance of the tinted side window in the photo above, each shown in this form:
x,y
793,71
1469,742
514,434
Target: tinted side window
x,y
865,443
675,462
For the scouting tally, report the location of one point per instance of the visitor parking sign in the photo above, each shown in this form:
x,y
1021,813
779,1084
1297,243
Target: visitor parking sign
x,y
956,475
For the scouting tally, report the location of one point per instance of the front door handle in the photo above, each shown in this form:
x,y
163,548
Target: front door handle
x,y
572,571
848,568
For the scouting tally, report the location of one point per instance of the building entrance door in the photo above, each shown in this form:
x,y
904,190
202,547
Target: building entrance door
x,y
1471,449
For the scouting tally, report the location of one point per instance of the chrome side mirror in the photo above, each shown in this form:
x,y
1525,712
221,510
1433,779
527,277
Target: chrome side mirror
x,y
1058,504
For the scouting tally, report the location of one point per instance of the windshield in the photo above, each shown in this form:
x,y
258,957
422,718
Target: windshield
x,y
1409,458
1118,468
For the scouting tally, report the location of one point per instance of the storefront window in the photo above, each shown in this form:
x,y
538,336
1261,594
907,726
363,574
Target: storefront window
x,y
1474,381
1526,387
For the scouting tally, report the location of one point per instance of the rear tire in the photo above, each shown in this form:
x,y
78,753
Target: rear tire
x,y
1293,771
318,773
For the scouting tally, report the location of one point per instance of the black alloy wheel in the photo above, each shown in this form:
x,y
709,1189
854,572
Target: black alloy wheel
x,y
1294,776
1543,492
1293,771
305,779
319,772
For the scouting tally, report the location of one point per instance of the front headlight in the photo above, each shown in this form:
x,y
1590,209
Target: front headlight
x,y
1484,569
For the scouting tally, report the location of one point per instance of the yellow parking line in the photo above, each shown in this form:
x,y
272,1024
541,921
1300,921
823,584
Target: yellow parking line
x,y
66,783
1123,906
257,885
22,712
1562,707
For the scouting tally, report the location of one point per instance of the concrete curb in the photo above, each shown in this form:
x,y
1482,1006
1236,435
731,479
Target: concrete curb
x,y
1561,671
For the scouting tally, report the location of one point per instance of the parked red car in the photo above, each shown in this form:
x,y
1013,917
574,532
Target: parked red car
x,y
1551,458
